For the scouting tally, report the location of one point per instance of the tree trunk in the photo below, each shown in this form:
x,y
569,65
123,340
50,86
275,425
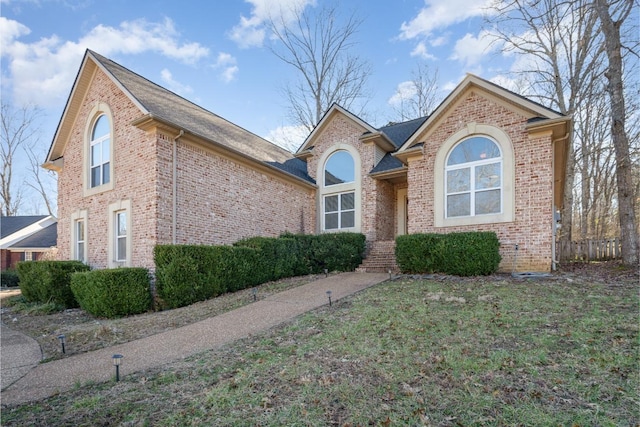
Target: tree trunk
x,y
626,199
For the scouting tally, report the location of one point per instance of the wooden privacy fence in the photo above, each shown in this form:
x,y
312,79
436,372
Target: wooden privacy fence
x,y
589,250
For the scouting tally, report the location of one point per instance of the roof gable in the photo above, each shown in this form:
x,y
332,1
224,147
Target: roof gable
x,y
510,100
15,229
158,103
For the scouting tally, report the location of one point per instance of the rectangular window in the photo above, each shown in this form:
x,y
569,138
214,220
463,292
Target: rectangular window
x,y
474,190
28,256
121,236
339,211
79,238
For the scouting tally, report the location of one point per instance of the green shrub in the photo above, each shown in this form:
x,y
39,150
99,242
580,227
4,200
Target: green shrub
x,y
331,251
113,293
9,279
461,254
49,281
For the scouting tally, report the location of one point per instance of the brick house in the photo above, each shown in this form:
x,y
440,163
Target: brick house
x,y
26,238
139,166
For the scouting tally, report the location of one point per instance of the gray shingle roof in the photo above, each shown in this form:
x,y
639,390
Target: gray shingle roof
x,y
387,163
172,108
11,224
296,167
45,238
399,133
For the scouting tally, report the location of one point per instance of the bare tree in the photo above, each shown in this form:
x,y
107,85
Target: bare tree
x,y
418,96
41,179
319,47
562,53
626,198
18,128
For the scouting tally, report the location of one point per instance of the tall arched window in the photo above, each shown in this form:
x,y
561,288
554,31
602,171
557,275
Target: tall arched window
x,y
100,152
473,182
339,197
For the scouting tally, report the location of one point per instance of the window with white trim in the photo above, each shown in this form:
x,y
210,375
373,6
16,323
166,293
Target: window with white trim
x,y
100,152
120,237
79,239
473,178
338,192
339,211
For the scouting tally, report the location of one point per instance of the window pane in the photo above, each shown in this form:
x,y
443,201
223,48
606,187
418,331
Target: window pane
x,y
339,168
459,205
473,149
106,173
105,150
488,176
122,224
487,202
331,204
80,254
96,154
101,128
347,201
121,255
348,219
95,176
458,180
331,221
80,231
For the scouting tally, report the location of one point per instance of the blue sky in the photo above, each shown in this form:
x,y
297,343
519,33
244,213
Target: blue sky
x,y
215,54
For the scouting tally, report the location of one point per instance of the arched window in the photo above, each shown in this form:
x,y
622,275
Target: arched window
x,y
338,194
100,152
339,169
473,182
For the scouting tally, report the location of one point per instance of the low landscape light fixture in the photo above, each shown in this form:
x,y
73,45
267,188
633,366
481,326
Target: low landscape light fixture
x,y
117,359
326,272
329,296
61,337
254,292
390,275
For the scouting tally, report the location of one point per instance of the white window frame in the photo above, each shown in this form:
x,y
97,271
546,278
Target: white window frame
x,y
472,165
100,109
503,141
119,207
339,212
330,190
79,216
99,144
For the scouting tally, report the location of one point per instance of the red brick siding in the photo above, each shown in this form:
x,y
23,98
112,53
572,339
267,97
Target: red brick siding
x,y
531,229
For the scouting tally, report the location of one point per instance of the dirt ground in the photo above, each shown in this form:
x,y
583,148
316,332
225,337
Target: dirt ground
x,y
84,332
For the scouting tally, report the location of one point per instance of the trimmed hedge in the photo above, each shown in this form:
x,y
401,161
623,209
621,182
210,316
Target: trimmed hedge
x,y
460,254
113,293
49,281
189,273
9,279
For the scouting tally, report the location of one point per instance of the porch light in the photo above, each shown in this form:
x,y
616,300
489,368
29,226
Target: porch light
x,y
61,337
329,296
117,359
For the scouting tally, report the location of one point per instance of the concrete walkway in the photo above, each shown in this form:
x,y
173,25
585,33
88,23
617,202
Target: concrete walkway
x,y
47,379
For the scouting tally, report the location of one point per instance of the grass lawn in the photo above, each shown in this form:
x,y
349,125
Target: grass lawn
x,y
435,352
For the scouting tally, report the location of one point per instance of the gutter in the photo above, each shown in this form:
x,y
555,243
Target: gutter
x,y
174,220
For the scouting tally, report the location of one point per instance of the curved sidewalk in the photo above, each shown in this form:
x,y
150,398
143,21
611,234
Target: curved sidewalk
x,y
47,379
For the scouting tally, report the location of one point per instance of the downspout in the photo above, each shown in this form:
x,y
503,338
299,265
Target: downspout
x,y
554,260
174,220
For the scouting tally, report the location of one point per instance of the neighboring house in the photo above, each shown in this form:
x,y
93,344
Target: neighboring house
x,y
139,166
26,238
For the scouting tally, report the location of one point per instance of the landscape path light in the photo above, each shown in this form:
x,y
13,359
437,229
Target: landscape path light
x,y
254,292
329,296
117,359
61,337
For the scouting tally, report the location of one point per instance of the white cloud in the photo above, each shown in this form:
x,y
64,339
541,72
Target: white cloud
x,y
227,63
41,72
173,84
421,51
250,32
471,49
439,14
405,90
288,137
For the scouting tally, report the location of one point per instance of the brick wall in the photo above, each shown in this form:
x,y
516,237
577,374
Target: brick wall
x,y
532,227
219,200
